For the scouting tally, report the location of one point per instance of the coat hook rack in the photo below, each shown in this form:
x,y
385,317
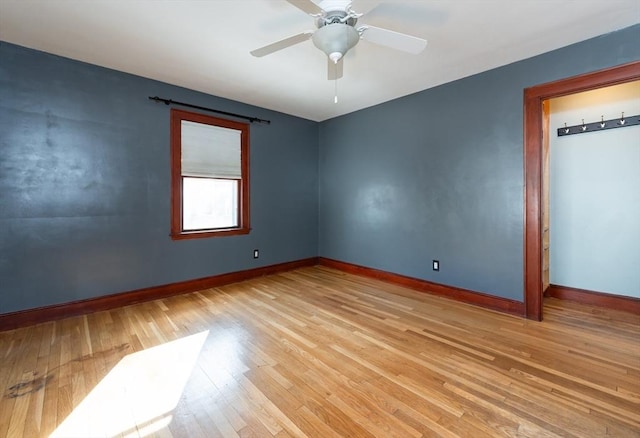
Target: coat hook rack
x,y
600,125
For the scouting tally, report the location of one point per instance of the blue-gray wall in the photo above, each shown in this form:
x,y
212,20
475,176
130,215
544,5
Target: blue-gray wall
x,y
85,180
439,174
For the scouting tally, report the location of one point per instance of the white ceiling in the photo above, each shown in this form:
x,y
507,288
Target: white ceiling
x,y
204,45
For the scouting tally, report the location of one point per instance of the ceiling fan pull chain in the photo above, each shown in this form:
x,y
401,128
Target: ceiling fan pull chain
x,y
335,93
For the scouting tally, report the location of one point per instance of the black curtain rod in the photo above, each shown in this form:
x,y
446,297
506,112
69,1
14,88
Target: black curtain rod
x,y
240,116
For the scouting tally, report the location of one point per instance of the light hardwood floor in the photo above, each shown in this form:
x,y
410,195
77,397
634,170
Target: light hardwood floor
x,y
316,352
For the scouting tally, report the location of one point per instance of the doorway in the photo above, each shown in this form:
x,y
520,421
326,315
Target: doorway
x,y
535,134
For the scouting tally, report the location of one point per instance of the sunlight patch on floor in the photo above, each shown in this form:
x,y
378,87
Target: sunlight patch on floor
x,y
137,396
225,362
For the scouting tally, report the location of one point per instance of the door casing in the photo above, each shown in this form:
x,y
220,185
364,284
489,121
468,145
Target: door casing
x,y
534,135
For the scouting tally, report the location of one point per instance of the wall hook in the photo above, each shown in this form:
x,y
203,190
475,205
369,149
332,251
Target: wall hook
x,y
602,125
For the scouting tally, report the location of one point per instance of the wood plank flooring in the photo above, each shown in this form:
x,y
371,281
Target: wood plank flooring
x,y
319,353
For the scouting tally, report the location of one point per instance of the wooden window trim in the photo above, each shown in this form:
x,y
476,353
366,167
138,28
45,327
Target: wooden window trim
x,y
177,116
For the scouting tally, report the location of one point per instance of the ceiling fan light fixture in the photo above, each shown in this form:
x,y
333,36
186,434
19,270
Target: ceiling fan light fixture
x,y
335,39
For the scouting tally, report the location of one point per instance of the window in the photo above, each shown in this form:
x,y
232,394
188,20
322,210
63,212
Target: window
x,y
209,176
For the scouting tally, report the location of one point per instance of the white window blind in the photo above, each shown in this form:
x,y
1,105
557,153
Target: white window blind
x,y
210,151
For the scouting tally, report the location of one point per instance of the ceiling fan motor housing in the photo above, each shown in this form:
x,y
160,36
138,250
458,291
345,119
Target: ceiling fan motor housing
x,y
333,17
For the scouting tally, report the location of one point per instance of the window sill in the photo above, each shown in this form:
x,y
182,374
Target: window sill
x,y
185,235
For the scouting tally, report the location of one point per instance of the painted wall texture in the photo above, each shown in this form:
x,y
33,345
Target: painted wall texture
x,y
84,180
439,174
85,185
595,193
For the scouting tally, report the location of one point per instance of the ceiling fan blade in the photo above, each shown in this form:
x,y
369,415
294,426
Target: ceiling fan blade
x,y
306,6
282,44
365,6
334,70
394,40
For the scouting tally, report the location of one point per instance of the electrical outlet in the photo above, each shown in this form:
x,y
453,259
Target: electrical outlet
x,y
256,253
436,265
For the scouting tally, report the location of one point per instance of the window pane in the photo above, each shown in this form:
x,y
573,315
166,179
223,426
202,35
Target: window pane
x,y
209,203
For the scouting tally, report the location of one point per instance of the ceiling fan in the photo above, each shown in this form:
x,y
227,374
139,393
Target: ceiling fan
x,y
337,32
